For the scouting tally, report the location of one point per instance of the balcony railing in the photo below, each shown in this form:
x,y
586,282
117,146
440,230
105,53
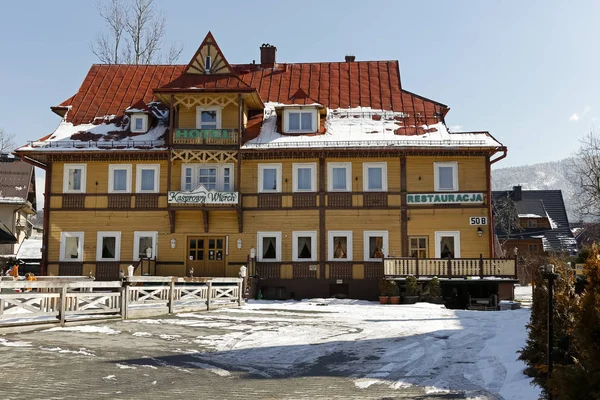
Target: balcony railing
x,y
211,137
451,268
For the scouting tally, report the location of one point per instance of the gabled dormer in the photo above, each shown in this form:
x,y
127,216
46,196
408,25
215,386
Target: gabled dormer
x,y
209,60
138,117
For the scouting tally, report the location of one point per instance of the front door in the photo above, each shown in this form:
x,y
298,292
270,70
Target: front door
x,y
447,244
206,255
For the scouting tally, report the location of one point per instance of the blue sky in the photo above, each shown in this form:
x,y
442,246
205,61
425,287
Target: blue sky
x,y
525,71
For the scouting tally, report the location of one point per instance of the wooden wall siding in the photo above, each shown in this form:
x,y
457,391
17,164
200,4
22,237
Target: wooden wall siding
x,y
229,117
70,269
303,271
373,270
146,200
375,199
541,222
339,200
471,173
427,222
269,200
73,201
340,270
304,200
119,201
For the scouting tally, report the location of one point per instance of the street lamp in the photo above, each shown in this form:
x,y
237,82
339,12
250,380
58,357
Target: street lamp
x,y
548,272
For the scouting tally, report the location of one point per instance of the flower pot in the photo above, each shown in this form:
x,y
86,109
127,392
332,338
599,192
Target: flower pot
x,y
411,299
384,299
394,299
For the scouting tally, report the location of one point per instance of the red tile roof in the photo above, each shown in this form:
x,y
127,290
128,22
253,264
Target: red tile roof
x,y
110,89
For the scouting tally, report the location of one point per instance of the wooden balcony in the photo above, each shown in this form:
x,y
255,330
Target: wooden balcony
x,y
206,137
451,268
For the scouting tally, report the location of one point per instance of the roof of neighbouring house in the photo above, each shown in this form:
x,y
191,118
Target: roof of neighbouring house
x,y
30,249
540,204
15,181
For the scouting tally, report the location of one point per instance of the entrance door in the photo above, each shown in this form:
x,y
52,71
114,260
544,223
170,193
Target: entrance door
x,y
206,255
447,244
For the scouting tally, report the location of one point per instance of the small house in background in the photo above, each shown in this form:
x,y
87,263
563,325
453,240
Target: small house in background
x,y
17,203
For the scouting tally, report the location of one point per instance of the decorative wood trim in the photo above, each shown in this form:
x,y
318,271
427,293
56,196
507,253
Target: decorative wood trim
x,y
107,155
205,218
404,211
240,216
333,152
171,221
204,156
488,179
322,226
46,222
190,100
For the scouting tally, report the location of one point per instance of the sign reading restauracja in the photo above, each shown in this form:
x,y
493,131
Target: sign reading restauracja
x,y
450,198
201,195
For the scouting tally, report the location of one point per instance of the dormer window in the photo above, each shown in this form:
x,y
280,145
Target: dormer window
x,y
139,123
300,120
207,64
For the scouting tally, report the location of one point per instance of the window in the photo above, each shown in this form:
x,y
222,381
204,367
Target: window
x,y
144,245
305,176
299,121
339,177
119,178
375,177
207,64
375,245
108,247
269,178
445,176
533,247
71,246
339,245
269,246
208,118
304,246
147,178
74,178
139,123
418,246
447,244
217,177
531,223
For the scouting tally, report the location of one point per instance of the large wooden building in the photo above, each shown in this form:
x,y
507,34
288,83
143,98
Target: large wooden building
x,y
314,170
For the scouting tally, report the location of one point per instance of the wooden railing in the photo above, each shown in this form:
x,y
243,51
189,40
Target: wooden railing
x,y
211,137
451,268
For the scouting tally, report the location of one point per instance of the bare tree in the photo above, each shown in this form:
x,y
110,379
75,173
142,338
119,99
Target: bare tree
x,y
7,141
135,34
506,217
585,173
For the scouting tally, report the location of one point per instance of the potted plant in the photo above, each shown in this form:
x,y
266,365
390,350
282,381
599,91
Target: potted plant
x,y
435,291
412,294
384,296
394,292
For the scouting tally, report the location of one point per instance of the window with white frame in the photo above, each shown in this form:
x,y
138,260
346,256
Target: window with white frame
x,y
339,177
375,177
74,178
71,246
108,246
375,245
144,245
445,175
304,246
208,118
119,178
305,177
339,245
217,177
269,246
300,120
147,178
269,178
139,123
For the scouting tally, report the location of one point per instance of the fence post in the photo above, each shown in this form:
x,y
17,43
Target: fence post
x,y
481,266
449,267
124,302
171,296
241,286
516,266
63,305
208,295
417,264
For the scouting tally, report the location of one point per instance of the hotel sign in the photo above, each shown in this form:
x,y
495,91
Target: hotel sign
x,y
202,196
445,198
202,133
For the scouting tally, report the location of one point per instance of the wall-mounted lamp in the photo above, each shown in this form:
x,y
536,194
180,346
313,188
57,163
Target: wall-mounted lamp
x,y
239,243
479,231
253,253
173,243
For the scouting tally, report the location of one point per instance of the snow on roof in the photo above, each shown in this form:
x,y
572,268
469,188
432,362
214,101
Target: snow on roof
x,y
365,127
31,249
531,216
11,200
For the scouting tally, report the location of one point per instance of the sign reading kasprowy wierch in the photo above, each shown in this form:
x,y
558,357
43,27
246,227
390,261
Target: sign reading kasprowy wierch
x,y
203,196
445,198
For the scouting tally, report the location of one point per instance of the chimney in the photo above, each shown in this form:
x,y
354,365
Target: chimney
x,y
267,55
350,58
516,193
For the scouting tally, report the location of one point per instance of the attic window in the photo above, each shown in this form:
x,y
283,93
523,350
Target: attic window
x,y
139,123
207,64
300,120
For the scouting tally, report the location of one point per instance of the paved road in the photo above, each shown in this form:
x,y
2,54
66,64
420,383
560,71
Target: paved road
x,y
168,357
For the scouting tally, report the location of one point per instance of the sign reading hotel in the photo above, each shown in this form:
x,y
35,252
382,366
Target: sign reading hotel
x,y
202,133
202,196
445,198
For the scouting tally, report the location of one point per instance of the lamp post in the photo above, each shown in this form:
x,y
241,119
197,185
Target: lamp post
x,y
548,273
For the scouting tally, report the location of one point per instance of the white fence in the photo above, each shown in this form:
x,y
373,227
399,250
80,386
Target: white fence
x,y
62,299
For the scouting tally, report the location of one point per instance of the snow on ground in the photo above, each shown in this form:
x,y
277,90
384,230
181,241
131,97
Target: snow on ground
x,y
85,329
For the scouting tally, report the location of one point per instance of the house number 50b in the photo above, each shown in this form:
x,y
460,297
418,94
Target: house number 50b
x,y
478,221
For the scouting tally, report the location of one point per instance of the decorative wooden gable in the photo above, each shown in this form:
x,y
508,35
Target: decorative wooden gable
x,y
209,60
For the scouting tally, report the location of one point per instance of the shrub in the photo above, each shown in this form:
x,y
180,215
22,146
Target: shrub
x,y
411,285
394,290
435,289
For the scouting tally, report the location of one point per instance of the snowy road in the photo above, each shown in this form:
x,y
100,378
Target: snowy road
x,y
285,350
